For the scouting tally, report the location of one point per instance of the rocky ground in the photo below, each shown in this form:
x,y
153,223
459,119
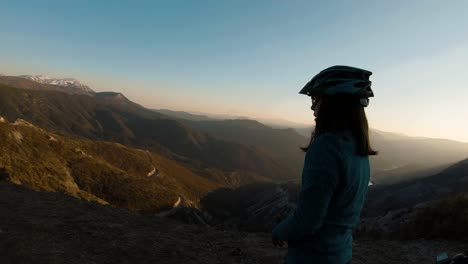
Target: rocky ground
x,y
37,227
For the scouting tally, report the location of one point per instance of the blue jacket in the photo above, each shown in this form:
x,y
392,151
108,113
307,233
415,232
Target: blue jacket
x,y
334,187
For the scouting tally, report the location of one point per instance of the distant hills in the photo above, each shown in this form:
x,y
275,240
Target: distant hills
x,y
110,116
282,144
185,115
402,150
400,157
447,183
274,123
234,151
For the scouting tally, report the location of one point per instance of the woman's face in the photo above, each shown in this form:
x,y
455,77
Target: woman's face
x,y
316,101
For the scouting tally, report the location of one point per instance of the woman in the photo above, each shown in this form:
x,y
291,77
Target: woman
x,y
336,170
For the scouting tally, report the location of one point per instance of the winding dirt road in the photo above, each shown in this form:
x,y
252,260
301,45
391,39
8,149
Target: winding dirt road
x,y
174,208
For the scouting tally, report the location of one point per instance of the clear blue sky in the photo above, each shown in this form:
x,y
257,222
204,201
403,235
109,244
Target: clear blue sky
x,y
252,57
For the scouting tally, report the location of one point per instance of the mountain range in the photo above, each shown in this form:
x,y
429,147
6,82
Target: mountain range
x,y
235,151
110,116
230,173
400,157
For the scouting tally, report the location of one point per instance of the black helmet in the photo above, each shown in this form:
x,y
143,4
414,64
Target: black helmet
x,y
341,80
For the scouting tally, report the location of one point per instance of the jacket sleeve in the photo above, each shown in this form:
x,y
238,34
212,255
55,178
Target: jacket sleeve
x,y
320,178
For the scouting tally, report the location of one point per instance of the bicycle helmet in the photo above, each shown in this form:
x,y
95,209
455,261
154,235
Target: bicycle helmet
x,y
340,79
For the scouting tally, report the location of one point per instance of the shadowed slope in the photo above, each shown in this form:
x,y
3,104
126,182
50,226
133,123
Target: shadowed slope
x,y
94,170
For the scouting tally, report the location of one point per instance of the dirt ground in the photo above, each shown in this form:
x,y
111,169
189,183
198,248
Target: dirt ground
x,y
38,227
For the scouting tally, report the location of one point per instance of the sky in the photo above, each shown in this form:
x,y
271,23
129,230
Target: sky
x,y
251,58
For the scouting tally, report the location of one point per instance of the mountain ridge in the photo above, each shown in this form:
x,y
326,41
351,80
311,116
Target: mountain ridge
x,y
68,82
28,84
123,121
111,116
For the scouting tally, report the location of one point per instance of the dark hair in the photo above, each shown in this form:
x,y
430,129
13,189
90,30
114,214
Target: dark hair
x,y
339,112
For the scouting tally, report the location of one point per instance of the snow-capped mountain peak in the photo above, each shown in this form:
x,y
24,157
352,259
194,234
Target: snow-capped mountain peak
x,y
68,82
